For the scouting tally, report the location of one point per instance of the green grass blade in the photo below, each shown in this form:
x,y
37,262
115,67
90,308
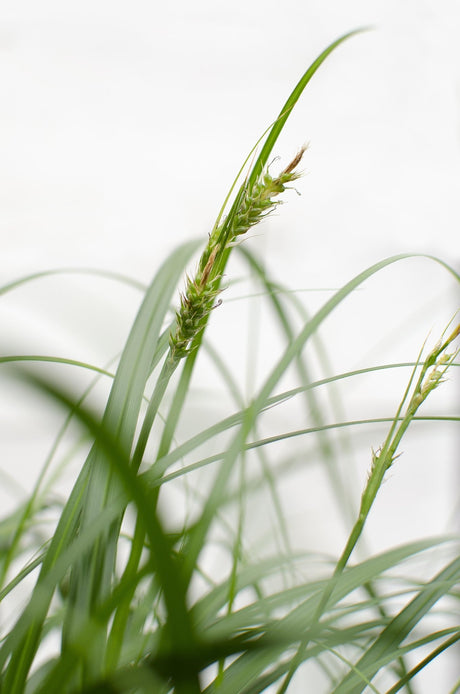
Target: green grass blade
x,y
291,102
115,276
306,596
12,359
155,473
289,630
93,575
179,634
338,484
400,627
452,641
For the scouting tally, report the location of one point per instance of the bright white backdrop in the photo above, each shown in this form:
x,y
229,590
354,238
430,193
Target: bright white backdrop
x,y
123,124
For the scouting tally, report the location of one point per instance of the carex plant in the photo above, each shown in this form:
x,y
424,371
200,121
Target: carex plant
x,y
134,622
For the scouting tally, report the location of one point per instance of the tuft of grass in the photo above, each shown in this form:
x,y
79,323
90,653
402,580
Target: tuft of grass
x,y
127,588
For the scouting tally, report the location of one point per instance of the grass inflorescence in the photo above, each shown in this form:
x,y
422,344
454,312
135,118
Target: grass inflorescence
x,y
256,201
128,592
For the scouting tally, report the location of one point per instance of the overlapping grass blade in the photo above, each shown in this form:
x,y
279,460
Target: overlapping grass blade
x,y
452,641
314,410
88,499
92,577
178,631
387,644
249,668
306,596
197,538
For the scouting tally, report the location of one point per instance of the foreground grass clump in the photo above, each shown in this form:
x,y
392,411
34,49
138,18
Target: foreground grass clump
x,y
128,591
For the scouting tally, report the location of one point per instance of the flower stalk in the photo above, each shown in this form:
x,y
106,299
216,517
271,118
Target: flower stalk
x,y
438,360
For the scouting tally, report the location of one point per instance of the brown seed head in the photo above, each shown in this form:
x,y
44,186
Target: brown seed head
x,y
295,162
209,265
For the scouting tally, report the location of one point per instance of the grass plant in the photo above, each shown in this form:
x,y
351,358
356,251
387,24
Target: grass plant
x,y
128,590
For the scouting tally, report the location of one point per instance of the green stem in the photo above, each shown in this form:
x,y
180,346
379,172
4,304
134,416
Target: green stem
x,y
167,371
120,620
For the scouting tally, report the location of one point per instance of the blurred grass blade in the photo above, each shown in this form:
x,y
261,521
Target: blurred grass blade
x,y
452,641
106,274
93,489
178,630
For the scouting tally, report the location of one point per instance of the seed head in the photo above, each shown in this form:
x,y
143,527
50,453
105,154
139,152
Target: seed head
x,y
256,201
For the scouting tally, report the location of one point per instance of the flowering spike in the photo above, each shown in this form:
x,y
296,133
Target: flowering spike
x,y
199,299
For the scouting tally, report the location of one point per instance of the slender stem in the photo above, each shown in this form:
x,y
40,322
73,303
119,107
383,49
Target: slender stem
x,y
167,371
120,620
381,462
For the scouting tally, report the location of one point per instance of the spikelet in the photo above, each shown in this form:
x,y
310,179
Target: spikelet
x,y
258,201
196,303
439,361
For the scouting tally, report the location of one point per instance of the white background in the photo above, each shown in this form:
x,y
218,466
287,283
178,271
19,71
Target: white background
x,y
122,126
